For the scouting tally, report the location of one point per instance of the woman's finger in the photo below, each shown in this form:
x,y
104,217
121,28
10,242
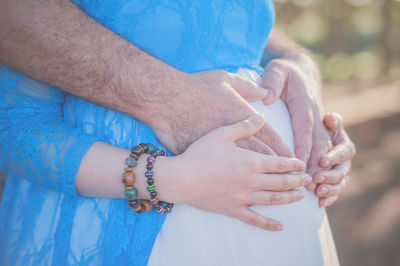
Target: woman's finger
x,y
333,175
242,129
281,182
325,202
263,163
275,198
253,218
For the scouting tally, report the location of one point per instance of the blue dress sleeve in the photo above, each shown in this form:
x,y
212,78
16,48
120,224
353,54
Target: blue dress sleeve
x,y
36,143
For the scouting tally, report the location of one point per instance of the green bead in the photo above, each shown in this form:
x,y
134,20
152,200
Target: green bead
x,y
131,194
151,148
150,188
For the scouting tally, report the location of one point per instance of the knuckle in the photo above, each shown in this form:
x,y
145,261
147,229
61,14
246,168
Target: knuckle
x,y
283,164
285,183
275,198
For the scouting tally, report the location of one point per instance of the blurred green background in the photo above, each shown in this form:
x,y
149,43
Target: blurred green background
x,y
357,46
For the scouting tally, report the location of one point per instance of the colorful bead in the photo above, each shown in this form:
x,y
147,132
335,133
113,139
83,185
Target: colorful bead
x,y
134,156
154,201
148,173
128,178
151,148
131,194
151,188
150,181
128,169
145,147
131,162
153,194
138,150
151,159
149,166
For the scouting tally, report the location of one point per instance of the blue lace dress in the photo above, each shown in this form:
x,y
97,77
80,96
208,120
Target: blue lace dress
x,y
44,132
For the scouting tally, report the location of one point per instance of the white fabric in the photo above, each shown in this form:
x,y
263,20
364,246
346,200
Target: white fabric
x,y
191,236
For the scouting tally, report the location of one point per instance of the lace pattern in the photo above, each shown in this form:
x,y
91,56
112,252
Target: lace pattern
x,y
44,133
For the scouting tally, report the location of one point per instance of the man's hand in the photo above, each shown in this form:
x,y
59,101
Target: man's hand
x,y
296,80
76,54
209,100
337,162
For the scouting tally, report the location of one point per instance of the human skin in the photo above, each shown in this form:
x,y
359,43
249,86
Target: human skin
x,y
228,185
292,75
55,42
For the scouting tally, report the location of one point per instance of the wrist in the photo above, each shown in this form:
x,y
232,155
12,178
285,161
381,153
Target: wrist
x,y
168,179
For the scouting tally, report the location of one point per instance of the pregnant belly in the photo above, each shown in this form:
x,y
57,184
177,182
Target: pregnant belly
x,y
195,237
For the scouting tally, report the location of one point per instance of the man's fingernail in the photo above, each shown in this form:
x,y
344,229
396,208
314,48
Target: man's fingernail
x,y
320,179
325,162
308,180
257,119
323,191
269,97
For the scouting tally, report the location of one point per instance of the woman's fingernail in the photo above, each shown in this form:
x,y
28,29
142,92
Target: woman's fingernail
x,y
323,191
257,119
300,194
278,227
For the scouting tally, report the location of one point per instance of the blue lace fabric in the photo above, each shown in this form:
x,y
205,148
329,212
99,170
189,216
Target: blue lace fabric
x,y
45,133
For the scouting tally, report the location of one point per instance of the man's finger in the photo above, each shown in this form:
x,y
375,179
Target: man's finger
x,y
333,121
247,89
334,175
341,152
325,202
274,80
270,137
326,191
254,144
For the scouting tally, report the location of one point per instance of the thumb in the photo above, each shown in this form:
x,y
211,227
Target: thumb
x,y
244,128
333,121
273,81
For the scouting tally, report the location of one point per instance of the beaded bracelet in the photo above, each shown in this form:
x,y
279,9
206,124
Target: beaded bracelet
x,y
157,204
129,178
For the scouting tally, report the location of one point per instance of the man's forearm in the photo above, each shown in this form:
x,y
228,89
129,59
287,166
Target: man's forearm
x,y
55,42
281,46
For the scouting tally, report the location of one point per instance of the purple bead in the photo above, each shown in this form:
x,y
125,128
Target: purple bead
x,y
148,173
151,159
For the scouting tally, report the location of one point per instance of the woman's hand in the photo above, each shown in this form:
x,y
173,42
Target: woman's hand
x,y
337,162
216,175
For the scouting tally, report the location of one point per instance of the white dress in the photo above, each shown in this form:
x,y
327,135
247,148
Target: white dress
x,y
194,237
